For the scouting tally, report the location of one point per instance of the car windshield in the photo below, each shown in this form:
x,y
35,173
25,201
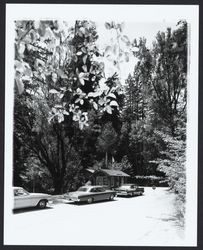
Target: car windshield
x,y
83,189
20,191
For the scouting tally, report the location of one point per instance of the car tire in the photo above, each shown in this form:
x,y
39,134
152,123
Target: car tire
x,y
111,197
42,204
90,200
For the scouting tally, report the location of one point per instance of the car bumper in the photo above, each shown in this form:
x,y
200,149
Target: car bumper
x,y
50,202
75,199
122,193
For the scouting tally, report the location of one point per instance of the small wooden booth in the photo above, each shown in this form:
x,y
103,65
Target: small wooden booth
x,y
108,177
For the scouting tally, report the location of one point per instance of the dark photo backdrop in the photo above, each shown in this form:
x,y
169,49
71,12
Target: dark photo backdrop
x,y
157,139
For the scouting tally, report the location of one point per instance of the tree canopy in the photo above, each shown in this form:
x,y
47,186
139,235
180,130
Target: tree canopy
x,y
68,116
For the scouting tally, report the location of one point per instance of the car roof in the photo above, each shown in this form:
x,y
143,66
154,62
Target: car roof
x,y
90,186
127,184
17,188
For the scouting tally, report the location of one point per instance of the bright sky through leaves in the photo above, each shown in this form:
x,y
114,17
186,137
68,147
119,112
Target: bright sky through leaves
x,y
132,30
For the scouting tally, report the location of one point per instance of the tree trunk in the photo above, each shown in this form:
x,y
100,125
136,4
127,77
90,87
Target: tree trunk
x,y
58,185
106,159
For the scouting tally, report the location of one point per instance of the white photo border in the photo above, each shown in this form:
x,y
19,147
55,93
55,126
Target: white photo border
x,y
101,13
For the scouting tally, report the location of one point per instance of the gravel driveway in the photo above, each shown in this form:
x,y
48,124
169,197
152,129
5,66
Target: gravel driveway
x,y
143,220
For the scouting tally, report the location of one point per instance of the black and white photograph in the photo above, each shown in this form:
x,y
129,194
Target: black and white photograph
x,y
101,125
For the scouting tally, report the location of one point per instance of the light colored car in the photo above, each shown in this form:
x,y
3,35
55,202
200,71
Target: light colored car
x,y
90,194
23,199
129,190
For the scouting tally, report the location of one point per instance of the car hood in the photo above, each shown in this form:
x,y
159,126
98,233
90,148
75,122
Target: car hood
x,y
39,195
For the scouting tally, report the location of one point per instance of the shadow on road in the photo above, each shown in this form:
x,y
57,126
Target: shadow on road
x,y
168,218
129,196
85,203
30,209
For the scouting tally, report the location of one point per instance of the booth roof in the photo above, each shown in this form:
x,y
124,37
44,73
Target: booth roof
x,y
113,172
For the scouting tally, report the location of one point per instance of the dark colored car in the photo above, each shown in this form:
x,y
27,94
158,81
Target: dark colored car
x,y
129,190
90,194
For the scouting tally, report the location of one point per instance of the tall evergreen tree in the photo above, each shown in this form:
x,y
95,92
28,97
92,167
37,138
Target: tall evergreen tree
x,y
170,76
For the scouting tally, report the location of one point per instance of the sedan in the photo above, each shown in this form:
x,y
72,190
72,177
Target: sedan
x,y
23,199
129,190
90,194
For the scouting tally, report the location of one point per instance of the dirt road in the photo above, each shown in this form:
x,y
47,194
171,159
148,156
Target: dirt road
x,y
144,220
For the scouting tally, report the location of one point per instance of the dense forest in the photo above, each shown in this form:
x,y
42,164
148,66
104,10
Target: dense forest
x,y
68,116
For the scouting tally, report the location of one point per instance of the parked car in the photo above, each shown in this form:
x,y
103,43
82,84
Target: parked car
x,y
23,199
129,190
90,194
